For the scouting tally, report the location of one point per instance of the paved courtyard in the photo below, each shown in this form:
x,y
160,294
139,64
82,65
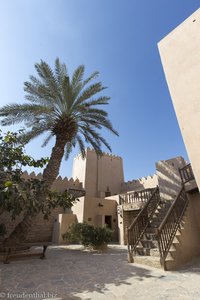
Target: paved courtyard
x,y
71,273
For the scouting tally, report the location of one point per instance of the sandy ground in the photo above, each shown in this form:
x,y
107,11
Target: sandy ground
x,y
71,273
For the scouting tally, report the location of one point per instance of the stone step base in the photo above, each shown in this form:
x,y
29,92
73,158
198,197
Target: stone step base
x,y
151,261
141,251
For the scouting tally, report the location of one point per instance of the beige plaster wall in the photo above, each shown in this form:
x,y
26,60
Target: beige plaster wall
x,y
189,240
61,226
99,173
110,174
169,180
78,209
113,197
97,208
93,210
91,174
180,57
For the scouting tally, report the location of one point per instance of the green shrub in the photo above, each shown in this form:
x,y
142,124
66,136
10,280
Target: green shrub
x,y
88,235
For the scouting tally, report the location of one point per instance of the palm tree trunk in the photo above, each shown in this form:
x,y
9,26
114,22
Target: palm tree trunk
x,y
50,173
52,169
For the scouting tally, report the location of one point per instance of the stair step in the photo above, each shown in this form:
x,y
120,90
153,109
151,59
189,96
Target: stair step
x,y
169,257
154,224
139,251
176,241
149,236
149,243
151,261
178,233
158,217
172,248
151,230
155,252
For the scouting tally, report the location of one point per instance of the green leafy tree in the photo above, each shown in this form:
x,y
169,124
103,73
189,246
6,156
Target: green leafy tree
x,y
20,196
67,108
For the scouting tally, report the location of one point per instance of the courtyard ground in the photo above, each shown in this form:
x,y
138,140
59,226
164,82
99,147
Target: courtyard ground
x,y
71,273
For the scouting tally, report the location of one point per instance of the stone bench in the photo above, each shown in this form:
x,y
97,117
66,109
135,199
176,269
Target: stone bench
x,y
10,248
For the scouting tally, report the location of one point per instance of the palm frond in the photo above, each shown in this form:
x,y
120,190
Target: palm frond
x,y
66,92
92,111
88,93
78,76
107,124
69,146
81,146
90,121
100,120
16,113
93,76
100,101
46,140
60,71
33,133
95,144
103,141
38,94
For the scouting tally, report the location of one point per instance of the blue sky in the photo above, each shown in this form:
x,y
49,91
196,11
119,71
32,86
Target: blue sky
x,y
117,38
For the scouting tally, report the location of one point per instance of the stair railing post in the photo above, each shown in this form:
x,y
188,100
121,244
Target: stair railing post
x,y
130,252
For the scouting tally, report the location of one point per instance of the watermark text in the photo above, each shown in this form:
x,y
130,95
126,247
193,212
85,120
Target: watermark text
x,y
24,295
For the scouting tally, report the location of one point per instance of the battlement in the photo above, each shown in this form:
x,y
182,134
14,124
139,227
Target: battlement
x,y
60,183
105,154
149,181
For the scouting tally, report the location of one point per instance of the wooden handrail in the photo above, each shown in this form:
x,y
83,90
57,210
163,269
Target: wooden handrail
x,y
136,196
144,208
186,173
169,212
169,226
139,225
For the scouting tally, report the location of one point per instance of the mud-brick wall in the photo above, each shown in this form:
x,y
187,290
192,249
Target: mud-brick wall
x,y
41,229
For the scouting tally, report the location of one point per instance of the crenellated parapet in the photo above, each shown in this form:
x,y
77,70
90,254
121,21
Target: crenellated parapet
x,y
26,175
150,181
60,184
104,154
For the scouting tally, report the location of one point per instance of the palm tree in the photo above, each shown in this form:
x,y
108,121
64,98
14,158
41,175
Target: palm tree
x,y
67,108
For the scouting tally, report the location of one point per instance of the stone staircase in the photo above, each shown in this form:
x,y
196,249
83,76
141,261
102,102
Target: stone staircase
x,y
166,234
147,251
156,236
